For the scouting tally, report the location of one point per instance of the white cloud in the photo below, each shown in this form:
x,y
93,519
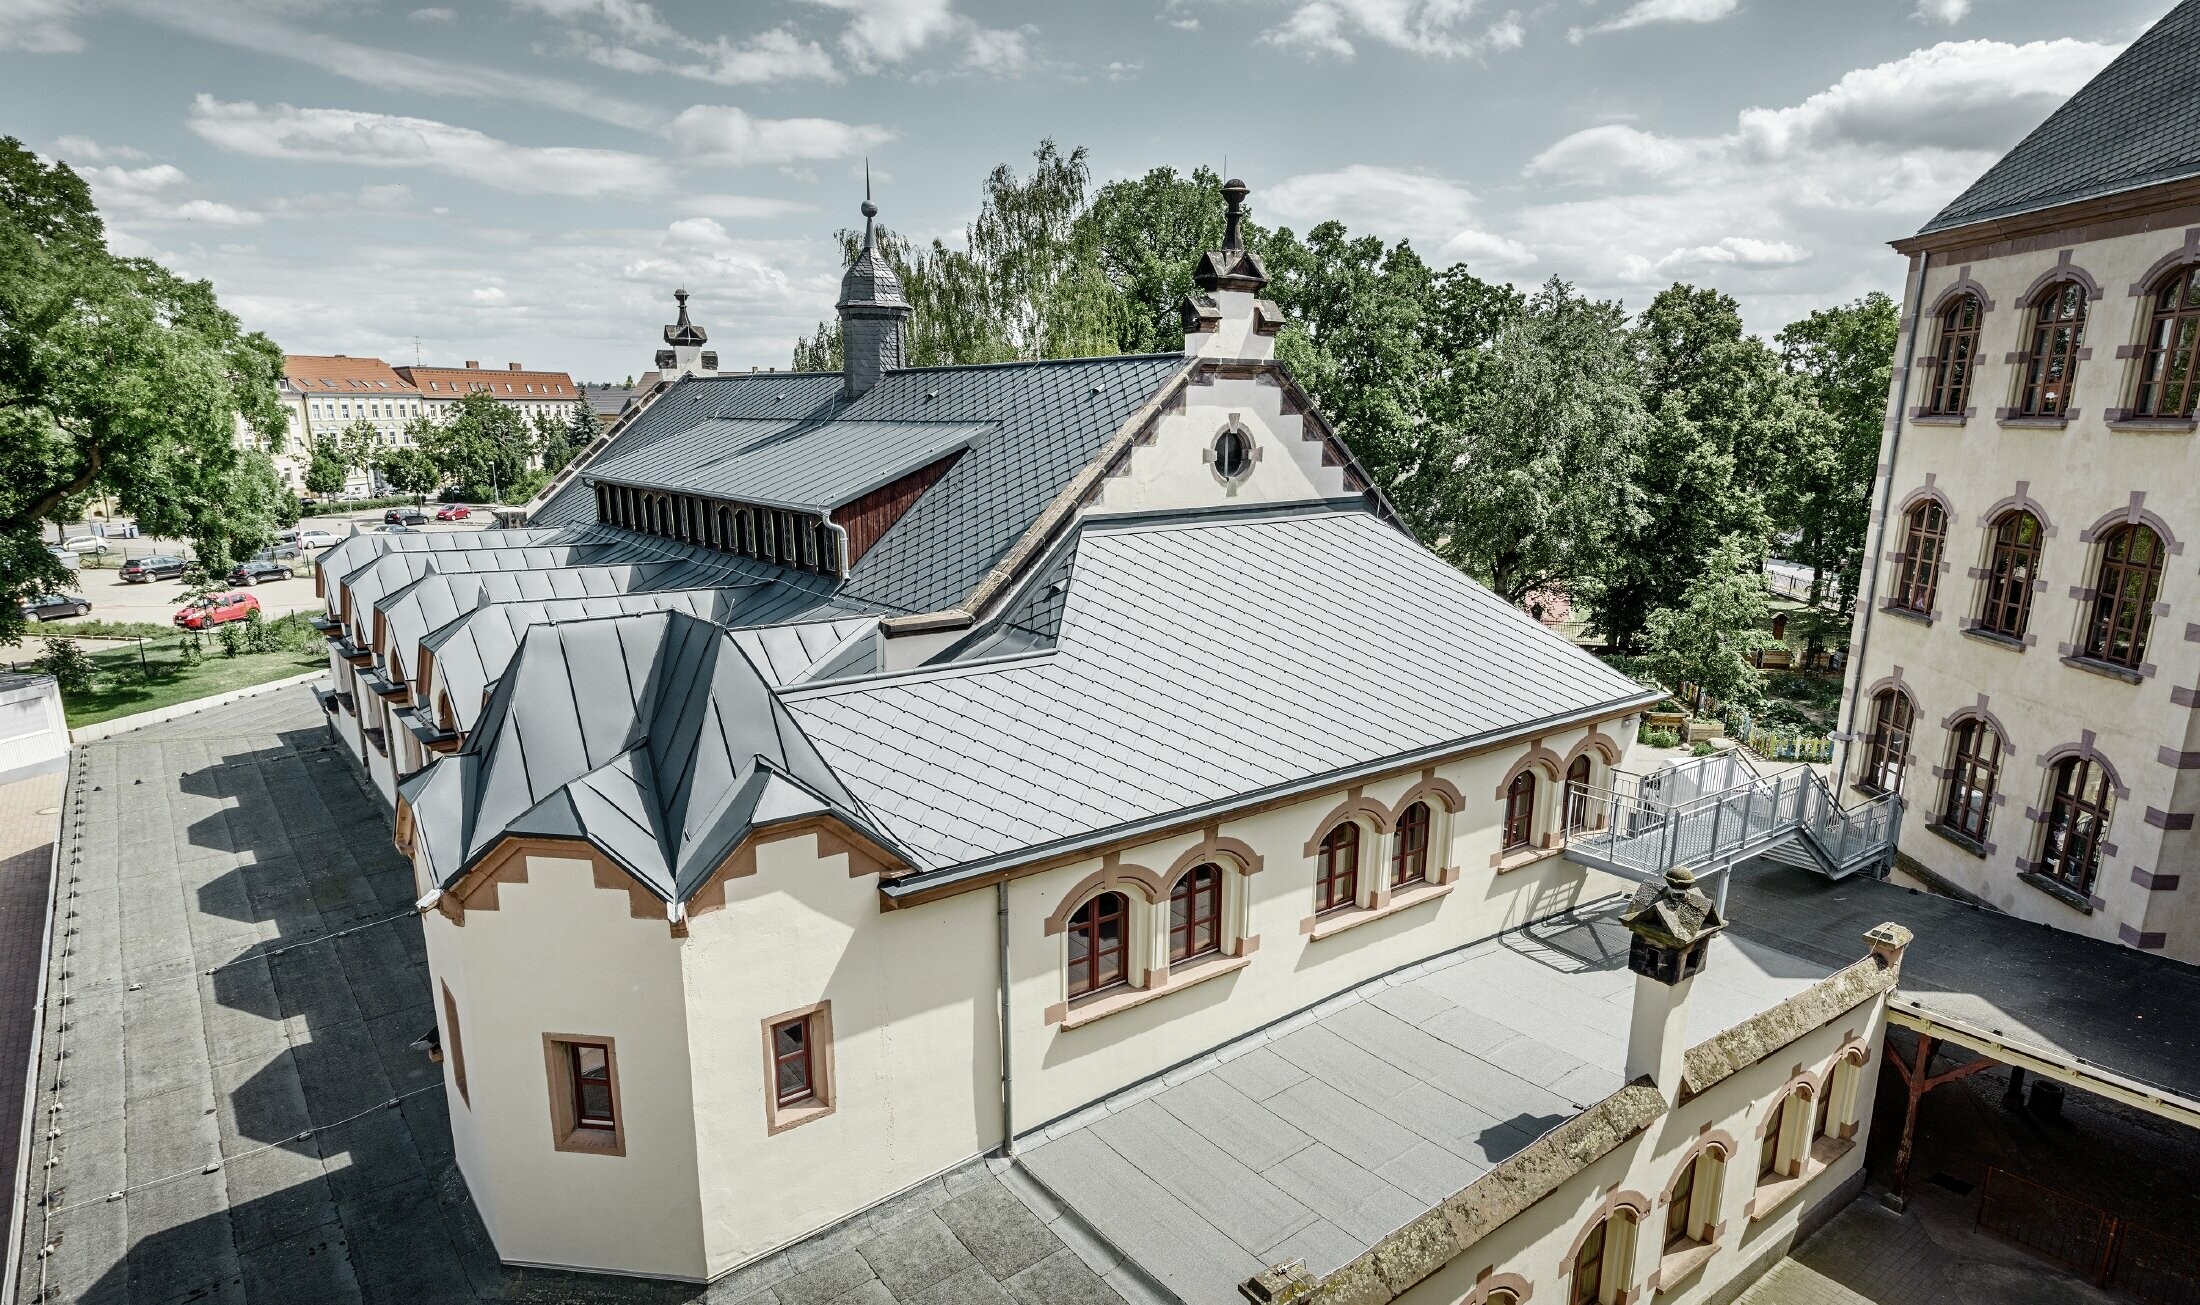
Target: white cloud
x,y
1642,13
721,133
83,149
883,32
1615,149
1735,251
1955,95
1443,28
488,295
388,141
1003,52
741,207
1948,12
776,55
437,15
214,214
158,194
39,26
1434,213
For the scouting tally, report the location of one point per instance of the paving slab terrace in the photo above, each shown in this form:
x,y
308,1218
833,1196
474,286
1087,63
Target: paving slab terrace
x,y
236,1112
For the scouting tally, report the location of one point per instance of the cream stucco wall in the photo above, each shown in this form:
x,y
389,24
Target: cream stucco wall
x,y
1538,1245
1177,470
2077,478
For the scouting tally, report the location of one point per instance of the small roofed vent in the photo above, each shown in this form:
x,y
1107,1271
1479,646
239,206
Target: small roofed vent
x,y
872,311
685,354
1226,317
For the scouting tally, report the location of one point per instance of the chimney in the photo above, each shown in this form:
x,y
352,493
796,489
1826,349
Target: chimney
x,y
872,311
472,363
1672,923
1226,317
513,367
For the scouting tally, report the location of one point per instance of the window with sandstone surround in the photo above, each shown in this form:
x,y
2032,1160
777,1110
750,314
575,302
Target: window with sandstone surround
x,y
1099,945
1887,749
1954,357
2014,563
1577,795
2129,580
1520,811
2169,366
1409,846
1599,1275
2080,804
1973,773
1195,914
1918,567
2051,363
1337,869
798,1067
584,1094
455,1052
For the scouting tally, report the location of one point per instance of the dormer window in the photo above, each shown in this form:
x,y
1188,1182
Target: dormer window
x,y
1231,454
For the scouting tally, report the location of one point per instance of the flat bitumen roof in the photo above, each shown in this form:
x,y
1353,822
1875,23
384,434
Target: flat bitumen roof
x,y
2119,1009
1318,1136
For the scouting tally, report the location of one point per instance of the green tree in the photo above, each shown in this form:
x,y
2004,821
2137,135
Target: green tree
x,y
484,447
551,443
117,374
326,473
1711,637
1844,357
580,431
408,470
1530,467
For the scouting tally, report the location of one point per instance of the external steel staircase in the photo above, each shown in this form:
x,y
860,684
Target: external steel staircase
x,y
1710,812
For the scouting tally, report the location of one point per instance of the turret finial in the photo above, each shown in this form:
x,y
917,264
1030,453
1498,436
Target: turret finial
x,y
870,210
1233,194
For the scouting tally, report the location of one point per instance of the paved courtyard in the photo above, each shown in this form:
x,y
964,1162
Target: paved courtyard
x,y
232,1111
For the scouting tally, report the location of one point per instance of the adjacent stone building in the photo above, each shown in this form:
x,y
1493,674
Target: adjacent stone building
x,y
2028,658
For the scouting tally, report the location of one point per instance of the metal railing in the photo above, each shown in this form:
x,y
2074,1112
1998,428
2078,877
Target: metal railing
x,y
1718,809
2107,1250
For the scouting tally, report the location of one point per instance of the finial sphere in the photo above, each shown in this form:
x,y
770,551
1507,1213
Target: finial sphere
x,y
870,210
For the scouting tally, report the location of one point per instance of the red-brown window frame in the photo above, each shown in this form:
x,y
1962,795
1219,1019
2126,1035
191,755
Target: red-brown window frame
x,y
2172,341
1577,795
1955,356
1975,769
607,1122
1410,844
1677,1228
1519,828
2081,802
1894,723
1337,869
1924,540
2125,588
1195,903
1589,1262
802,1055
2011,568
1088,924
2051,364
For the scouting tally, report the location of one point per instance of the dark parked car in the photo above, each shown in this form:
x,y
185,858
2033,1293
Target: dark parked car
x,y
254,570
405,517
53,607
139,570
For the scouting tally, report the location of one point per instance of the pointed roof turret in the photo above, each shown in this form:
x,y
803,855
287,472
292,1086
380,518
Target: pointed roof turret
x,y
870,281
683,331
1232,267
872,310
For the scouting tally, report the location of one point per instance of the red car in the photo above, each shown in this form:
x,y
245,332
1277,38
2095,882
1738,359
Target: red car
x,y
453,512
216,609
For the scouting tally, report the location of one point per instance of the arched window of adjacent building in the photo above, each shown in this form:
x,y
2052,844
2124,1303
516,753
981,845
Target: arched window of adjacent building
x,y
2080,801
1195,913
1974,769
1923,539
2169,369
1950,392
1099,944
2123,596
2051,364
1692,1207
1600,1266
1887,748
1520,811
1577,794
1337,869
2014,564
1409,846
1785,1145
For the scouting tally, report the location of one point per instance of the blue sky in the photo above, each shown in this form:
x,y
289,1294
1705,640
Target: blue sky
x,y
528,180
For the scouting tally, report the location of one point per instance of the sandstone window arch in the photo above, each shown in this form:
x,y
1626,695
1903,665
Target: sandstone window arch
x,y
1955,356
1519,827
1337,868
2081,802
2169,355
2013,563
1917,567
1196,913
1099,939
1887,747
1975,755
1410,839
2054,350
2127,581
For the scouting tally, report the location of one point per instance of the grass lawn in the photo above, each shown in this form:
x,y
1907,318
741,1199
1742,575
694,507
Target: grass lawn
x,y
122,687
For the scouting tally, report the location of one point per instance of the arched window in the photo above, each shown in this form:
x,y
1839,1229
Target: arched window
x,y
1919,565
1195,913
1951,387
2169,371
1600,1266
1519,810
1409,850
2010,572
1768,1147
2123,596
2051,364
2079,805
1974,769
1337,873
1692,1206
1099,944
1577,794
1887,750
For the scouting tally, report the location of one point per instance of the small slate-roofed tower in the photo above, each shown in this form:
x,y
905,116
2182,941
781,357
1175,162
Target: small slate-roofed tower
x,y
872,311
1672,923
686,356
1227,318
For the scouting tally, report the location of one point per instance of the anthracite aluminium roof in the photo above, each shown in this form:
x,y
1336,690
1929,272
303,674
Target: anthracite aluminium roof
x,y
2135,124
783,465
1044,421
